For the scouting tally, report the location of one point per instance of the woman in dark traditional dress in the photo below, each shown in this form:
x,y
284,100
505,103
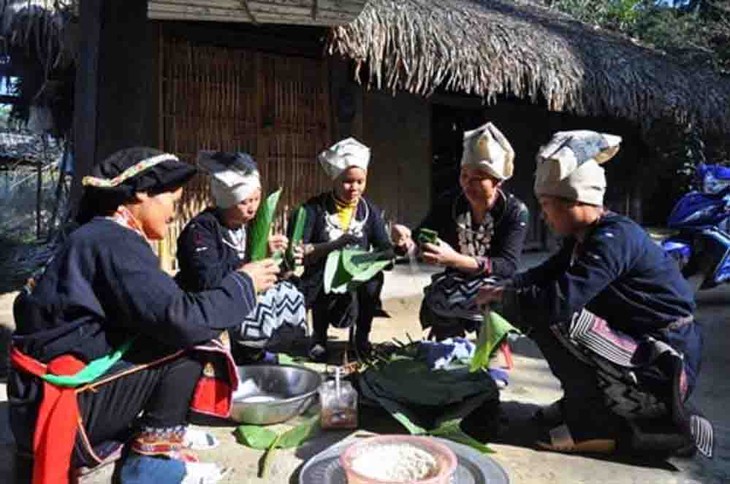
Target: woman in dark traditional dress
x,y
108,350
481,231
216,242
339,218
611,313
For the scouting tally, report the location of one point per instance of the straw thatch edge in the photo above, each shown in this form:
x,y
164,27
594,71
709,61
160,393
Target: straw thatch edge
x,y
495,47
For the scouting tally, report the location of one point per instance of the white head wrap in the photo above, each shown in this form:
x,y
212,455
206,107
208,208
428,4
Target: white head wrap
x,y
487,147
233,176
343,155
569,165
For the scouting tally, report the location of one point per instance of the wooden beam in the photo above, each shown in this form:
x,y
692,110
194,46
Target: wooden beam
x,y
326,13
127,85
304,41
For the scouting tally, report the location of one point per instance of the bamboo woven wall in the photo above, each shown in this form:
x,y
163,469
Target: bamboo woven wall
x,y
274,107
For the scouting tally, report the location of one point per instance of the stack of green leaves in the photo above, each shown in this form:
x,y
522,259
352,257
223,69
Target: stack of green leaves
x,y
426,401
261,227
346,269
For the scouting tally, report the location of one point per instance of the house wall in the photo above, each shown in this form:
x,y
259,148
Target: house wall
x,y
266,97
398,130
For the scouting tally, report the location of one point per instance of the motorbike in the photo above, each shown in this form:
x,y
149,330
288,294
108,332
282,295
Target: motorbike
x,y
701,219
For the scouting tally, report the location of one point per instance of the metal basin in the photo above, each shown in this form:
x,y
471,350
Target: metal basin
x,y
269,394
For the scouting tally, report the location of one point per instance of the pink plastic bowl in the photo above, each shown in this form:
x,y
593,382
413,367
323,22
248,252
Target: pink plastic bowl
x,y
445,459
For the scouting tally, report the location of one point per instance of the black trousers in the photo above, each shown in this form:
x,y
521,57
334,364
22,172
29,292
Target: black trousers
x,y
154,397
343,310
584,408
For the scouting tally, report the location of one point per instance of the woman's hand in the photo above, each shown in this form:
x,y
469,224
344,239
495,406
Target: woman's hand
x,y
489,294
263,273
402,237
347,239
278,243
441,254
298,254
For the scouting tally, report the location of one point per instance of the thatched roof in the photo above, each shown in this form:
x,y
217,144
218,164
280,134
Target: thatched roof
x,y
495,47
38,24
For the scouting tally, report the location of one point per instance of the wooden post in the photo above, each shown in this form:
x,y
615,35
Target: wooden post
x,y
115,95
85,99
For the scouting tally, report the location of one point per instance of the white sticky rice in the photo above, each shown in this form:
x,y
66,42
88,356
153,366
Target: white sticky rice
x,y
395,463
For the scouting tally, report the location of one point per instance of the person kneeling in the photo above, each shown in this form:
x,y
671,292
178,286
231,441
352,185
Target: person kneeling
x,y
611,313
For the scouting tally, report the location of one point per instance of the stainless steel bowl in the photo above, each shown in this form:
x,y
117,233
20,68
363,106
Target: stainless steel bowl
x,y
271,394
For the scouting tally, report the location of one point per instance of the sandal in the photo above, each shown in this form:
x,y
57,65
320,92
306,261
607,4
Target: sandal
x,y
560,440
198,439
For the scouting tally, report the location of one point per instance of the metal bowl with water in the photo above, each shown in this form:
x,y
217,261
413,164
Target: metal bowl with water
x,y
269,394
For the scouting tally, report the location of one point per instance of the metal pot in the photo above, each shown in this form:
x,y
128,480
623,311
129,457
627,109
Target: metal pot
x,y
269,394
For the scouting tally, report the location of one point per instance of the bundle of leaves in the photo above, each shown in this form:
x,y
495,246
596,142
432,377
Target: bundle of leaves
x,y
426,401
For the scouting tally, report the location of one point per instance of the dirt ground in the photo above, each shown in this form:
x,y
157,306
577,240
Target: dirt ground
x,y
531,385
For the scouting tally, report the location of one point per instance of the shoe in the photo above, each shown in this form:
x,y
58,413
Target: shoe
x,y
199,439
318,353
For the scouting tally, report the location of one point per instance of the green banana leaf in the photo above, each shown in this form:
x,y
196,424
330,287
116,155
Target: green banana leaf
x,y
452,430
364,265
261,227
297,234
448,426
347,268
493,330
426,401
334,274
263,438
396,410
412,382
255,436
297,435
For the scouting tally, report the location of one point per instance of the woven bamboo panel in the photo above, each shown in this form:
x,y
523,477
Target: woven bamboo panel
x,y
272,106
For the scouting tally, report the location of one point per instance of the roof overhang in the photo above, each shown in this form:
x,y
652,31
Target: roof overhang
x,y
325,13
